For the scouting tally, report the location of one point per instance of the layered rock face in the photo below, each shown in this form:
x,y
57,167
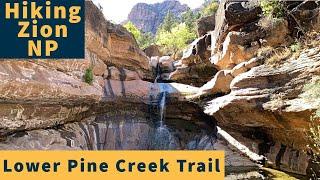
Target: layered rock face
x,y
268,104
131,130
118,131
148,17
39,94
45,105
46,93
272,101
264,104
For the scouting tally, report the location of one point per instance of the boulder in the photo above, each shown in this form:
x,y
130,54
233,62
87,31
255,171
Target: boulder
x,y
277,31
303,16
206,24
240,31
153,50
197,51
154,61
219,84
238,13
245,66
98,66
166,64
234,52
195,68
195,75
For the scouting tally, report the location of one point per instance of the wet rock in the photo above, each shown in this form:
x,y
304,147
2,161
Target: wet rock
x,y
130,130
117,130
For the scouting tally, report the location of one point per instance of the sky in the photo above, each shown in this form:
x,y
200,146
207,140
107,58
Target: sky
x,y
118,10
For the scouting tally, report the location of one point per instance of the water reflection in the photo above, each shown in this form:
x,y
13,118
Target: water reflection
x,y
120,132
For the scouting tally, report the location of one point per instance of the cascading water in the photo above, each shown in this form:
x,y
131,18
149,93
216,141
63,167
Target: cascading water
x,y
163,138
158,74
162,99
162,107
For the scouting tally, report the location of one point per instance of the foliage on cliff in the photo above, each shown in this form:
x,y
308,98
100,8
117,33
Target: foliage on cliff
x,y
272,8
174,34
315,132
175,40
190,18
314,136
169,22
88,76
143,39
210,7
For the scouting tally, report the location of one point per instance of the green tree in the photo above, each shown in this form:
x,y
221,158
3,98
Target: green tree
x,y
143,39
133,29
190,19
273,8
210,7
174,41
146,40
169,22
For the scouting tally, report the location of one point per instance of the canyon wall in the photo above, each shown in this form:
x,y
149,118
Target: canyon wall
x,y
148,17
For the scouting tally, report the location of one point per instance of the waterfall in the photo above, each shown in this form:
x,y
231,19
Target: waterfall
x,y
162,98
162,137
158,74
162,107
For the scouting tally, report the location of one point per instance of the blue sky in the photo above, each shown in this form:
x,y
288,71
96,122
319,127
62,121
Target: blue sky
x,y
118,10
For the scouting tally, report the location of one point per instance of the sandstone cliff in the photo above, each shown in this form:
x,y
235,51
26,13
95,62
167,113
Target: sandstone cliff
x,y
40,93
254,85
